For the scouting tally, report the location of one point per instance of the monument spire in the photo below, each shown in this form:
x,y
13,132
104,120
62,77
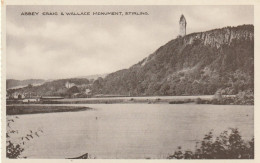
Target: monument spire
x,y
183,25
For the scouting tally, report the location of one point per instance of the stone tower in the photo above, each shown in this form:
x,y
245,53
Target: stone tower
x,y
182,24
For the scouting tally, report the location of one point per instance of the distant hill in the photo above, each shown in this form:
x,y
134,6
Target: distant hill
x,y
94,77
55,87
11,83
196,64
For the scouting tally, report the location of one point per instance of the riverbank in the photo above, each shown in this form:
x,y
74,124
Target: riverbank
x,y
113,100
225,100
207,99
35,109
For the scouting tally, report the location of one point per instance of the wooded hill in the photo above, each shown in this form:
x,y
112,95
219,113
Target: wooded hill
x,y
196,64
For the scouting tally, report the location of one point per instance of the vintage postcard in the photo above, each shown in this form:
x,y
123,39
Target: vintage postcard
x,y
129,81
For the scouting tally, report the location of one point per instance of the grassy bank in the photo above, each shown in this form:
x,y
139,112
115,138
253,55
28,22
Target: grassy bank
x,y
34,109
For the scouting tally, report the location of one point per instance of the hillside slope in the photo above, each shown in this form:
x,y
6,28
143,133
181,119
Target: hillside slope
x,y
196,64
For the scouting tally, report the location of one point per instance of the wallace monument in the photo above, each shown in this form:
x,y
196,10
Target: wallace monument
x,y
183,25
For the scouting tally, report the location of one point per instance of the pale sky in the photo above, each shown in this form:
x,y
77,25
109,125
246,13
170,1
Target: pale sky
x,y
54,47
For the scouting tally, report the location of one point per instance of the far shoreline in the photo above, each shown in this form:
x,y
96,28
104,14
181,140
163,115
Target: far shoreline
x,y
39,109
204,99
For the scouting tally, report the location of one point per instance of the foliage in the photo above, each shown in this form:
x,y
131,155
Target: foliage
x,y
73,89
245,97
228,145
30,86
242,98
15,149
12,150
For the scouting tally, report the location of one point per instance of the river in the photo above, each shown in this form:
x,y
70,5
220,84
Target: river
x,y
129,131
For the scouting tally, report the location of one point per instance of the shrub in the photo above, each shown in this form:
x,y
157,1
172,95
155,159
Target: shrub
x,y
177,102
215,101
14,150
198,101
228,145
245,97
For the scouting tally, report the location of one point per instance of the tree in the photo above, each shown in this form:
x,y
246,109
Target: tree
x,y
73,89
15,149
228,145
30,86
19,96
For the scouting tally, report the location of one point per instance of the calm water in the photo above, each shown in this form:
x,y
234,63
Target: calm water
x,y
129,130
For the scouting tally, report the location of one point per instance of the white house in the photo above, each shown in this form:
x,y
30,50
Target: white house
x,y
69,85
88,92
17,95
31,100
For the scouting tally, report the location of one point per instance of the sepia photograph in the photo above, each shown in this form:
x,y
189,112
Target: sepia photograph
x,y
129,82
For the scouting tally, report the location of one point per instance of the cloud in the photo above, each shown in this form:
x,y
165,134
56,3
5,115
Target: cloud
x,y
61,47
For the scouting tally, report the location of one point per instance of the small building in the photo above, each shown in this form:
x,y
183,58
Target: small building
x,y
69,85
88,92
31,100
18,96
30,95
218,95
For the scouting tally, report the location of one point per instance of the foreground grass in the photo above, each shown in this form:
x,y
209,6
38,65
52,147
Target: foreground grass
x,y
34,109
